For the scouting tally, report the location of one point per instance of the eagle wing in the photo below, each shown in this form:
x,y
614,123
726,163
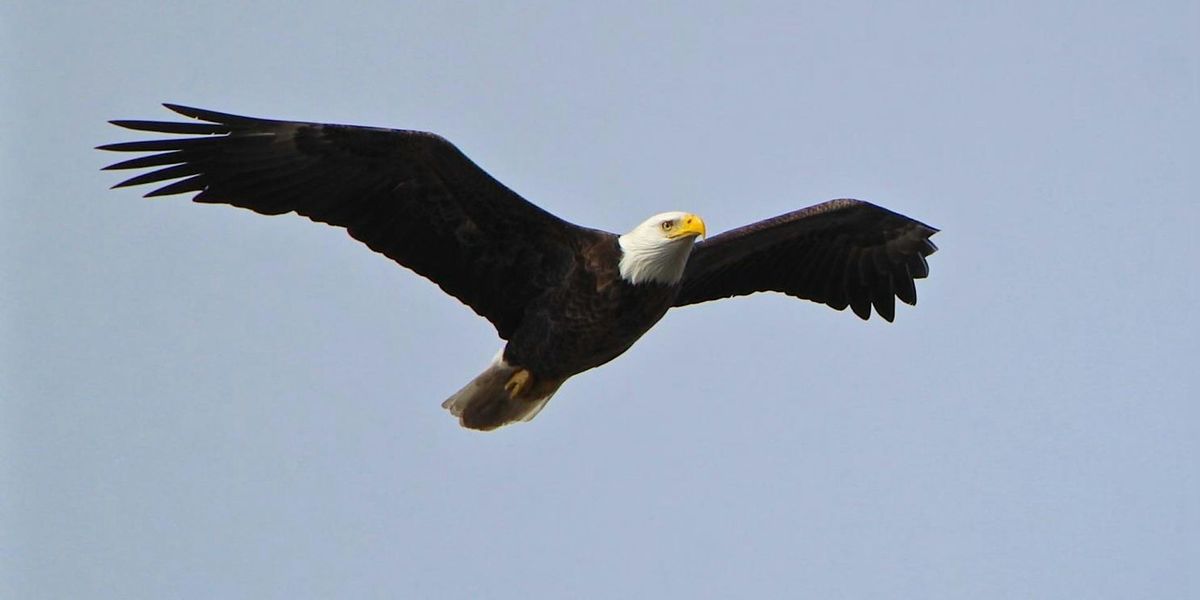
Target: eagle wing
x,y
840,253
409,195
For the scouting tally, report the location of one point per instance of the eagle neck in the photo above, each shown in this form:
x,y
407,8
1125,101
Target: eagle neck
x,y
652,260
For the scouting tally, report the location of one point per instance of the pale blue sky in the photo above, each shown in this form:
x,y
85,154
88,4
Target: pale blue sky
x,y
201,402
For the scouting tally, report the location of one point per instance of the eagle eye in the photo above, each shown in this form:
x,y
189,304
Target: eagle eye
x,y
667,225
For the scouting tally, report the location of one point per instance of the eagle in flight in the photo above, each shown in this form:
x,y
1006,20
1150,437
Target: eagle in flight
x,y
565,298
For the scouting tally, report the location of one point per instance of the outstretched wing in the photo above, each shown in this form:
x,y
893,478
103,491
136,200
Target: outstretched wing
x,y
841,253
409,195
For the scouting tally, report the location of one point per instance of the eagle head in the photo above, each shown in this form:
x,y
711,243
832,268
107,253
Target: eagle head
x,y
657,250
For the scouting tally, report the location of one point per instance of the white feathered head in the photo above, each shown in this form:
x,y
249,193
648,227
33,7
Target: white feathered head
x,y
658,249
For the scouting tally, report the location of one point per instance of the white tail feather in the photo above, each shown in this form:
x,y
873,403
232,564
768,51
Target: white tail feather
x,y
485,404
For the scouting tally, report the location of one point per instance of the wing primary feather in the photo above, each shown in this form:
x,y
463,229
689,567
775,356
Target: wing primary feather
x,y
857,294
835,289
860,302
162,145
834,286
905,289
171,127
213,116
918,267
811,265
868,279
826,275
191,184
153,160
884,296
174,172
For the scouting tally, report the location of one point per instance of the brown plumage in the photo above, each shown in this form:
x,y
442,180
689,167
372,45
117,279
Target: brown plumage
x,y
566,298
839,253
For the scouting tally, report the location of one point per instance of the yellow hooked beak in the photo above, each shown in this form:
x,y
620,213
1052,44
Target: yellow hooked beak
x,y
689,225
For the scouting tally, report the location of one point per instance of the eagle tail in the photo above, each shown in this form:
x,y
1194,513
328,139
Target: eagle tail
x,y
485,403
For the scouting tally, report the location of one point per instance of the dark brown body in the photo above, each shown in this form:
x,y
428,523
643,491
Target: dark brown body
x,y
592,317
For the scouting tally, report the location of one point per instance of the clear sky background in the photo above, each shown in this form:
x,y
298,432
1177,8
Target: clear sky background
x,y
201,402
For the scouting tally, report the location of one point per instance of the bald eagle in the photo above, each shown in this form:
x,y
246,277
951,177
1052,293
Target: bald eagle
x,y
565,298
